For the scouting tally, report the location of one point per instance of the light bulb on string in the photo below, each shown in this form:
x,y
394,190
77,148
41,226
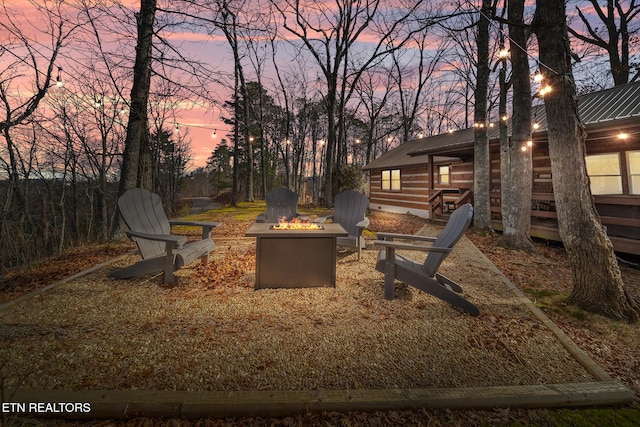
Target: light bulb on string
x,y
537,76
59,82
503,52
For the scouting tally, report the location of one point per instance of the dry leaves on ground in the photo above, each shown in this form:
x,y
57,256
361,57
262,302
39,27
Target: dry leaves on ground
x,y
545,277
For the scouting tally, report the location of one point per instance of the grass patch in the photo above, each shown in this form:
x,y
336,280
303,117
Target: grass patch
x,y
596,417
548,299
248,211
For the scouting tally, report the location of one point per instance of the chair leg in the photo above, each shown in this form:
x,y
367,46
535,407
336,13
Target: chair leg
x,y
170,266
389,273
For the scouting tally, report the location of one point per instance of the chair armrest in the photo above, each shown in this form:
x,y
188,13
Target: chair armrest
x,y
262,217
303,217
167,238
195,223
322,219
391,236
364,223
409,246
206,226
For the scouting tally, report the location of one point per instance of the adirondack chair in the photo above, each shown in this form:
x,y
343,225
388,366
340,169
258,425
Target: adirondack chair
x,y
350,212
281,202
425,276
151,230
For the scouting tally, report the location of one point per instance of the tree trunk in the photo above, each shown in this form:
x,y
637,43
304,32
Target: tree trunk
x,y
598,285
136,160
482,163
516,180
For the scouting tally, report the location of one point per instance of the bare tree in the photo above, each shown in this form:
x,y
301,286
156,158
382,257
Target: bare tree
x,y
411,80
615,37
136,162
27,74
598,285
515,160
329,32
481,159
23,57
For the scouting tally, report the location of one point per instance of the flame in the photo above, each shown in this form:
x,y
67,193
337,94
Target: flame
x,y
295,224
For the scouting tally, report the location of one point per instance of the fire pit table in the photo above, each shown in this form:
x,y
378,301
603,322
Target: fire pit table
x,y
295,258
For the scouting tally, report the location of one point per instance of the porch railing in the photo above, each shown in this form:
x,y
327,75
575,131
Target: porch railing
x,y
447,200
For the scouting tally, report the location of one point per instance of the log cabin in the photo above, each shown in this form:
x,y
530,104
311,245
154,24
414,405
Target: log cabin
x,y
430,177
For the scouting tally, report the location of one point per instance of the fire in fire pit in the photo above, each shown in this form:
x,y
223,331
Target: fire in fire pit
x,y
295,224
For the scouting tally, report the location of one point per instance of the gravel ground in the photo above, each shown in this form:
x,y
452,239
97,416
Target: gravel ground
x,y
213,331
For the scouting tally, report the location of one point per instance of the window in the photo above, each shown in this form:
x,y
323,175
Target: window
x,y
443,175
604,173
391,180
634,171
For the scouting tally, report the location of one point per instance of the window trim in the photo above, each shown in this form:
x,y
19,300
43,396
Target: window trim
x,y
618,175
448,175
632,191
390,180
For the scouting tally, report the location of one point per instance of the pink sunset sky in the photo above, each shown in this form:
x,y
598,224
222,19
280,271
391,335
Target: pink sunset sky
x,y
197,121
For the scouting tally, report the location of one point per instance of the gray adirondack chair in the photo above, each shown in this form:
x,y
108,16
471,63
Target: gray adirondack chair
x,y
151,230
281,203
425,276
350,212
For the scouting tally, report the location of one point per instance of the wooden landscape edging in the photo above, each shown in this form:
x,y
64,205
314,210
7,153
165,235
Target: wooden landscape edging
x,y
86,272
116,404
581,357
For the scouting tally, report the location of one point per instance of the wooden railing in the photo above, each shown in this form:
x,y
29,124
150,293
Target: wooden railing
x,y
447,200
543,206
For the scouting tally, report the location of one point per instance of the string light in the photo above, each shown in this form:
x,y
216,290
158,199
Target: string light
x,y
545,90
59,82
537,76
623,136
503,53
213,135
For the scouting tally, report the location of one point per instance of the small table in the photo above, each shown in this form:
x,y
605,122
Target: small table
x,y
295,258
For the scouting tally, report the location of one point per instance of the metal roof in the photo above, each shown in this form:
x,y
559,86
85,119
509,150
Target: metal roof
x,y
400,156
600,108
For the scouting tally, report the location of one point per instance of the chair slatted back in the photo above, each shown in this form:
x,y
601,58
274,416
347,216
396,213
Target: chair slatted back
x,y
142,211
456,226
281,202
350,208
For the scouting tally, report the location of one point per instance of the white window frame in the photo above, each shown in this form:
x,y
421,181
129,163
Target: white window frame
x,y
633,163
604,183
390,180
448,174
